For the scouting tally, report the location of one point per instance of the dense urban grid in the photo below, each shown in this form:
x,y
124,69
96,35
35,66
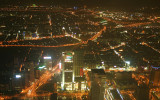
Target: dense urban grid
x,y
79,53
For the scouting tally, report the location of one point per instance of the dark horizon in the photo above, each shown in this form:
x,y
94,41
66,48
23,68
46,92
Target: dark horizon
x,y
88,3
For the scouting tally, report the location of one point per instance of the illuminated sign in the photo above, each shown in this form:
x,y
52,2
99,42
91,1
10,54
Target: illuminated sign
x,y
69,54
68,58
48,57
18,76
41,67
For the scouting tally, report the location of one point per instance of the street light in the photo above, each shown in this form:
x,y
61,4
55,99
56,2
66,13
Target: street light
x,y
41,67
127,62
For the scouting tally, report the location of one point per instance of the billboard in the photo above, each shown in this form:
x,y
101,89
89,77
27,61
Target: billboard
x,y
47,57
69,57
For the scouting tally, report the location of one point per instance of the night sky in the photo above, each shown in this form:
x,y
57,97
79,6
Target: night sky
x,y
89,3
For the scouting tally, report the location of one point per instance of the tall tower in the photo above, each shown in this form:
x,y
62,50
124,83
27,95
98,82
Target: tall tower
x,y
142,92
48,62
67,71
78,62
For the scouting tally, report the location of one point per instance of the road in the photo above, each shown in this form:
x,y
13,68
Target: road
x,y
64,45
124,24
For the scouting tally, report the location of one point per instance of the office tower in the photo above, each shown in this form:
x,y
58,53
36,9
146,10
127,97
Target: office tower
x,y
78,62
155,77
47,62
98,79
142,92
67,71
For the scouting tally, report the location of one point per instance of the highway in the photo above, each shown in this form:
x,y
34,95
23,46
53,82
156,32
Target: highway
x,y
41,45
130,93
31,91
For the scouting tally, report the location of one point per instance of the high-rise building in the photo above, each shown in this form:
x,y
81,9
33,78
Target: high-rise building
x,y
98,79
78,62
17,81
155,77
72,71
142,92
67,71
47,62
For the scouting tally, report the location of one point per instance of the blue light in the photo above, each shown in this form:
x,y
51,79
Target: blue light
x,y
155,67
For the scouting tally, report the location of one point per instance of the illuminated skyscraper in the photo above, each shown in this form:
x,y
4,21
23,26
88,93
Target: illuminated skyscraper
x,y
67,71
47,62
72,68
